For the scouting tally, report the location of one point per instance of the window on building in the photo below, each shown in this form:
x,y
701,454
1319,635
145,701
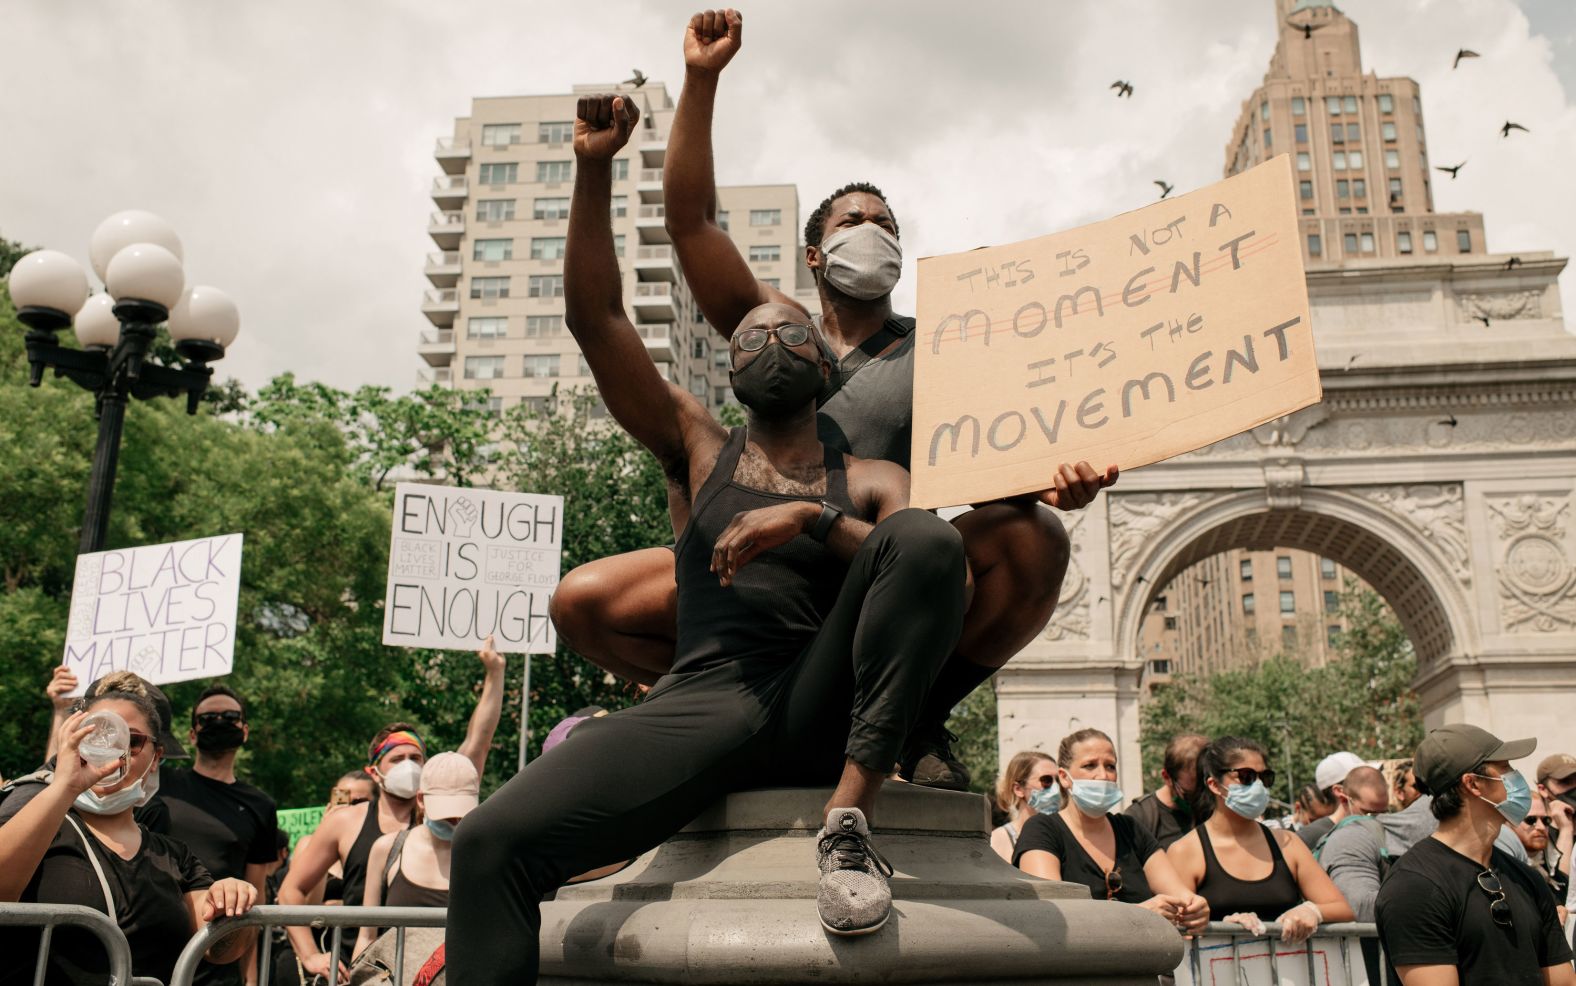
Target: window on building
x,y
548,171
500,134
1338,160
1430,241
1362,211
543,326
1403,242
1349,243
1247,603
1464,240
1419,131
1160,665
1368,242
1267,138
1387,130
1386,103
618,244
1326,568
1346,210
1332,105
1315,249
722,218
1171,623
1395,188
555,131
1392,158
498,173
1304,161
1245,569
547,247
1337,133
535,405
765,217
1288,636
1288,602
1332,635
719,359
1264,110
620,207
1354,134
1332,601
494,210
1307,212
765,254
1417,106
1282,567
492,250
546,286
491,327
1354,160
698,348
494,404
483,367
540,365
553,208
1349,104
1305,189
1343,189
1299,106
621,167
489,287
582,365
1359,188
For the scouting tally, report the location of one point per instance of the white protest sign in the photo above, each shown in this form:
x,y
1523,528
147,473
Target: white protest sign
x,y
1124,342
465,563
1333,960
163,611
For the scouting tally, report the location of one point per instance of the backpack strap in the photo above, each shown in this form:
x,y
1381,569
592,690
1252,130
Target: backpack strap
x,y
388,866
98,868
893,329
432,968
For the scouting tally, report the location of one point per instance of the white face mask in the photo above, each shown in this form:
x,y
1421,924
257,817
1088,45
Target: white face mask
x,y
131,796
403,779
863,262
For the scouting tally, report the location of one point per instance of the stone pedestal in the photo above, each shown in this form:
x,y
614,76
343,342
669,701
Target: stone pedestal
x,y
731,900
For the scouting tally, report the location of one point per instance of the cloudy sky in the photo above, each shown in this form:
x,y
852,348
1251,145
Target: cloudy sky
x,y
290,142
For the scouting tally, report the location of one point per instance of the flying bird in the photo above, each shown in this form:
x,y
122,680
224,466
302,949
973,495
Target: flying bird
x,y
1139,579
638,80
1203,581
1463,53
1164,188
1449,422
1307,29
1483,319
1122,89
1513,263
1355,357
1508,127
1451,171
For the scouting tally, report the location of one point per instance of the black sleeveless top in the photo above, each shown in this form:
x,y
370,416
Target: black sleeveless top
x,y
355,868
403,893
779,600
1269,898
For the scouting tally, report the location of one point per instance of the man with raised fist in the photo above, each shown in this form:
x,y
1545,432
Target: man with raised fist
x,y
619,612
814,610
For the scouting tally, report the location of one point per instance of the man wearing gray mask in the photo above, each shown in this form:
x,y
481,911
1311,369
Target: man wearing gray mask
x,y
620,612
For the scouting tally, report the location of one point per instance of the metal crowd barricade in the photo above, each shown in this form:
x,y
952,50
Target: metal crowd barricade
x,y
271,916
1305,962
48,917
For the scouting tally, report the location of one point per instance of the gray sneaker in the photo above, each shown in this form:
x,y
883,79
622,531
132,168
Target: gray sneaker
x,y
854,898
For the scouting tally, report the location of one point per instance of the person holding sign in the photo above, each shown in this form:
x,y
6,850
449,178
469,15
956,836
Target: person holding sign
x,y
619,612
814,609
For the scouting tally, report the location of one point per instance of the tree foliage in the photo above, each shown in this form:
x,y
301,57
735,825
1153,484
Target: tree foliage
x,y
1361,700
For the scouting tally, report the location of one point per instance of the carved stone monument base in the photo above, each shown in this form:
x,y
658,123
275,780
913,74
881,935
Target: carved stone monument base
x,y
731,900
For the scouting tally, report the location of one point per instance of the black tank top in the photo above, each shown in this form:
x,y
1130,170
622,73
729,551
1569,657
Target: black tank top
x,y
1269,898
779,600
403,893
355,867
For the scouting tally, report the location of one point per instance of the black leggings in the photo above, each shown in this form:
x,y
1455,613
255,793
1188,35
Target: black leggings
x,y
623,784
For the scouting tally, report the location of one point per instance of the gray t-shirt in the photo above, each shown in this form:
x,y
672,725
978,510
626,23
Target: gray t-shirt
x,y
871,415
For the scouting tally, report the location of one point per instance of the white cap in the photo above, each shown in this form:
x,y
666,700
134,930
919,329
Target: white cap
x,y
1333,769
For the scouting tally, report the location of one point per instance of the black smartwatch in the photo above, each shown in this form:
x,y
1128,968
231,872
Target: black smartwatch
x,y
823,523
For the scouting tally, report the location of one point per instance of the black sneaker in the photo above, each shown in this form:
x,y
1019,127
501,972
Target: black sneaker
x,y
929,762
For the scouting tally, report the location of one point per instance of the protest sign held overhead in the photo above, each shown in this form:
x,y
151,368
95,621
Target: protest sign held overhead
x,y
163,611
465,563
1124,342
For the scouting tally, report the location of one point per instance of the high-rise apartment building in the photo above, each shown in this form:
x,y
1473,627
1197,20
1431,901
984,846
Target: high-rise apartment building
x,y
1357,142
496,300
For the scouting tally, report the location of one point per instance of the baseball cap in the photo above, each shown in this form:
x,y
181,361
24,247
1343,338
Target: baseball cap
x,y
172,748
1458,748
1558,766
1333,769
450,787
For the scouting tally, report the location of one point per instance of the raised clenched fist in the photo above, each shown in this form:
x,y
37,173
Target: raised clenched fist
x,y
603,125
712,39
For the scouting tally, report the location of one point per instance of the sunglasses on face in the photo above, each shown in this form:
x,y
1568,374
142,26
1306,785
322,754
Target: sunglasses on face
x,y
792,334
1547,821
137,742
215,718
1113,883
1498,906
1247,775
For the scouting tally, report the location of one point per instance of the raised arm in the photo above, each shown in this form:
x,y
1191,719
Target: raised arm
x,y
723,284
647,406
489,709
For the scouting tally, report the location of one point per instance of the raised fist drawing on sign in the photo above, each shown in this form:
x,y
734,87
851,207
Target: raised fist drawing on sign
x,y
462,517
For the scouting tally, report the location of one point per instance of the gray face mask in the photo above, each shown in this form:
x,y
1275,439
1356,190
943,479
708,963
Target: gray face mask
x,y
863,262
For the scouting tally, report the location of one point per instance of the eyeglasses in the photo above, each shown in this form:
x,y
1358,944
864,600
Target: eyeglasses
x,y
1113,883
791,334
215,718
1498,906
1547,821
1248,775
137,742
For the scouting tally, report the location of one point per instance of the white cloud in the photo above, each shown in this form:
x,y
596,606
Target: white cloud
x,y
291,142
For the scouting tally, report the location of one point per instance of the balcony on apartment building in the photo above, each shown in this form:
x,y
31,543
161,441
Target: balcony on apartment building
x,y
437,347
453,155
443,269
654,302
654,153
449,191
659,341
442,376
446,229
649,185
441,307
651,224
656,263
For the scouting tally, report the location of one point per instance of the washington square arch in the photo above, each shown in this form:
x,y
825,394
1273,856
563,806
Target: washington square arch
x,y
1440,466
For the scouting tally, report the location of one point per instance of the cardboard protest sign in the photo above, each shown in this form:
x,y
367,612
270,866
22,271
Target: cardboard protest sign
x,y
465,563
1128,341
164,611
299,822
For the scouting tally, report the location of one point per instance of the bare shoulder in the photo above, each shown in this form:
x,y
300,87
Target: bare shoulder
x,y
1290,842
1187,848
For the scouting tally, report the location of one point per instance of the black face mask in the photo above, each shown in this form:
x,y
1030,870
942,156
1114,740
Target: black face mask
x,y
220,737
777,382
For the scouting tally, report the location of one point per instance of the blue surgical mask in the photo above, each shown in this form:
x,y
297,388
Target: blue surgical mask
x,y
1046,800
1095,798
1248,800
440,829
1518,796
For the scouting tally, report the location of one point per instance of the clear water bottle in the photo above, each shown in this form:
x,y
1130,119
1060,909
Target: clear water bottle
x,y
109,742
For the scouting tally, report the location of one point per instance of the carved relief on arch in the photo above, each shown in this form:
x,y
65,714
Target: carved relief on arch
x,y
1437,513
1071,619
1135,520
1537,580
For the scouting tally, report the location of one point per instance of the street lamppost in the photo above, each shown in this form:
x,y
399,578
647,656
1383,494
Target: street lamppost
x,y
138,257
